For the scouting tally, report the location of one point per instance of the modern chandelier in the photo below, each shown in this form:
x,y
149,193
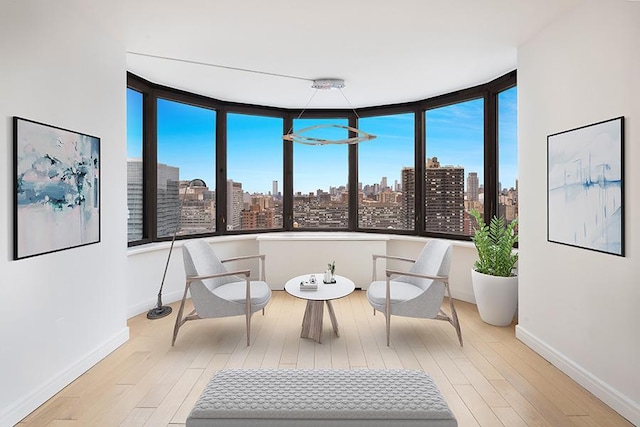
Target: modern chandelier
x,y
317,84
299,137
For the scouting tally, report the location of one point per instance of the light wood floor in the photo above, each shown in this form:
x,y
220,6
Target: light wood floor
x,y
493,380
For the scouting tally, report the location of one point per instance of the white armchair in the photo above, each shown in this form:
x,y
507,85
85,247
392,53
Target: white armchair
x,y
216,291
418,292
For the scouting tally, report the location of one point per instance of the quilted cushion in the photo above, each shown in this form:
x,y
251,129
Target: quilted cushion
x,y
323,397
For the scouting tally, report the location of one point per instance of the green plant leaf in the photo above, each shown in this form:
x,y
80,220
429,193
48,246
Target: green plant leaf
x,y
494,243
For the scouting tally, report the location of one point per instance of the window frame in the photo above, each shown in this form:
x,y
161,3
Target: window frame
x,y
407,108
260,112
151,91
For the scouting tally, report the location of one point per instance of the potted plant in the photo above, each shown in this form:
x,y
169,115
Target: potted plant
x,y
495,285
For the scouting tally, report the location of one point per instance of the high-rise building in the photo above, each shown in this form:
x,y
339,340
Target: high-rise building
x,y
134,199
198,213
408,208
387,196
444,198
383,183
167,199
256,217
274,189
473,187
234,204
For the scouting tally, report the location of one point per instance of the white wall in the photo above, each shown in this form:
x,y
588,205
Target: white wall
x,y
579,308
146,264
288,255
61,312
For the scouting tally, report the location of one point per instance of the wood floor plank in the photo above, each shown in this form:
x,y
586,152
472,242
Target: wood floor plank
x,y
169,406
524,409
489,394
548,388
131,401
538,399
275,346
481,411
54,409
218,362
137,417
493,379
351,337
448,366
509,417
89,410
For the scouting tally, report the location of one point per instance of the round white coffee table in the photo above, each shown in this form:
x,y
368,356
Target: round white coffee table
x,y
313,314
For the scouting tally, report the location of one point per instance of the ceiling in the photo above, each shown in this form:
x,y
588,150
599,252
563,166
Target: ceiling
x,y
386,51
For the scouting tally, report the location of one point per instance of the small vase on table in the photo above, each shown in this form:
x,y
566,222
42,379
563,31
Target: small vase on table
x,y
329,273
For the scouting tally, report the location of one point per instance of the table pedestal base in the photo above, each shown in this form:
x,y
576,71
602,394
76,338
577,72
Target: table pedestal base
x,y
312,320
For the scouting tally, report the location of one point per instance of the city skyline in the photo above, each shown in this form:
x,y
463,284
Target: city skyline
x,y
454,134
447,204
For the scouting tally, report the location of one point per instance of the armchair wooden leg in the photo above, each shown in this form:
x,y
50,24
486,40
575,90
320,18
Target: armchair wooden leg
x,y
179,320
388,329
456,323
248,309
454,315
248,329
387,309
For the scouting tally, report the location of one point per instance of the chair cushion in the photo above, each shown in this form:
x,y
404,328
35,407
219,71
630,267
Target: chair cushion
x,y
236,292
400,292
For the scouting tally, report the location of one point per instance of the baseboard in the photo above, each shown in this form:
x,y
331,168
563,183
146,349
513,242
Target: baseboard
x,y
12,415
464,296
148,304
603,391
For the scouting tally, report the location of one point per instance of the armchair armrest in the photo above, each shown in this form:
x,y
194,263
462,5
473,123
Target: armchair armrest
x,y
399,258
392,257
422,276
245,257
213,276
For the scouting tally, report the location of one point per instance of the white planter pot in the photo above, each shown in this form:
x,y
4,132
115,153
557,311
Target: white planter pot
x,y
496,297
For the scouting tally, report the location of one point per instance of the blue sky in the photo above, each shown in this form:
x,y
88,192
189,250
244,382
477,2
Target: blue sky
x,y
453,134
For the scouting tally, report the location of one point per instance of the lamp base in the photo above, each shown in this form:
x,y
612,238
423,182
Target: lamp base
x,y
159,312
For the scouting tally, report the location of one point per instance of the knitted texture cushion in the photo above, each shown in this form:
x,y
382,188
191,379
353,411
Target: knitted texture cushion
x,y
321,397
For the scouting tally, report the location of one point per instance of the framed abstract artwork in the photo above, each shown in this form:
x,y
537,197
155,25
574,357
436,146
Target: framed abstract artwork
x,y
585,187
57,188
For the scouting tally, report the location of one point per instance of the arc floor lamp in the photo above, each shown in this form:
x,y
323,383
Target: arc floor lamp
x,y
160,311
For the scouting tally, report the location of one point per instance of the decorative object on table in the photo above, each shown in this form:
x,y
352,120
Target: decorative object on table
x,y
308,285
57,188
495,285
160,311
329,274
586,187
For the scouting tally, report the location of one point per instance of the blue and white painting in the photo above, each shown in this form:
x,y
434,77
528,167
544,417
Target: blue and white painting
x,y
585,187
57,201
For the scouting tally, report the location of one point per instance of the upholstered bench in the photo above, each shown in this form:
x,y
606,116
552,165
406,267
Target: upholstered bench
x,y
322,397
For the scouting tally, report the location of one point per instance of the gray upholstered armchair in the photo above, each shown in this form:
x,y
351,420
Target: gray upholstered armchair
x,y
418,292
216,291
